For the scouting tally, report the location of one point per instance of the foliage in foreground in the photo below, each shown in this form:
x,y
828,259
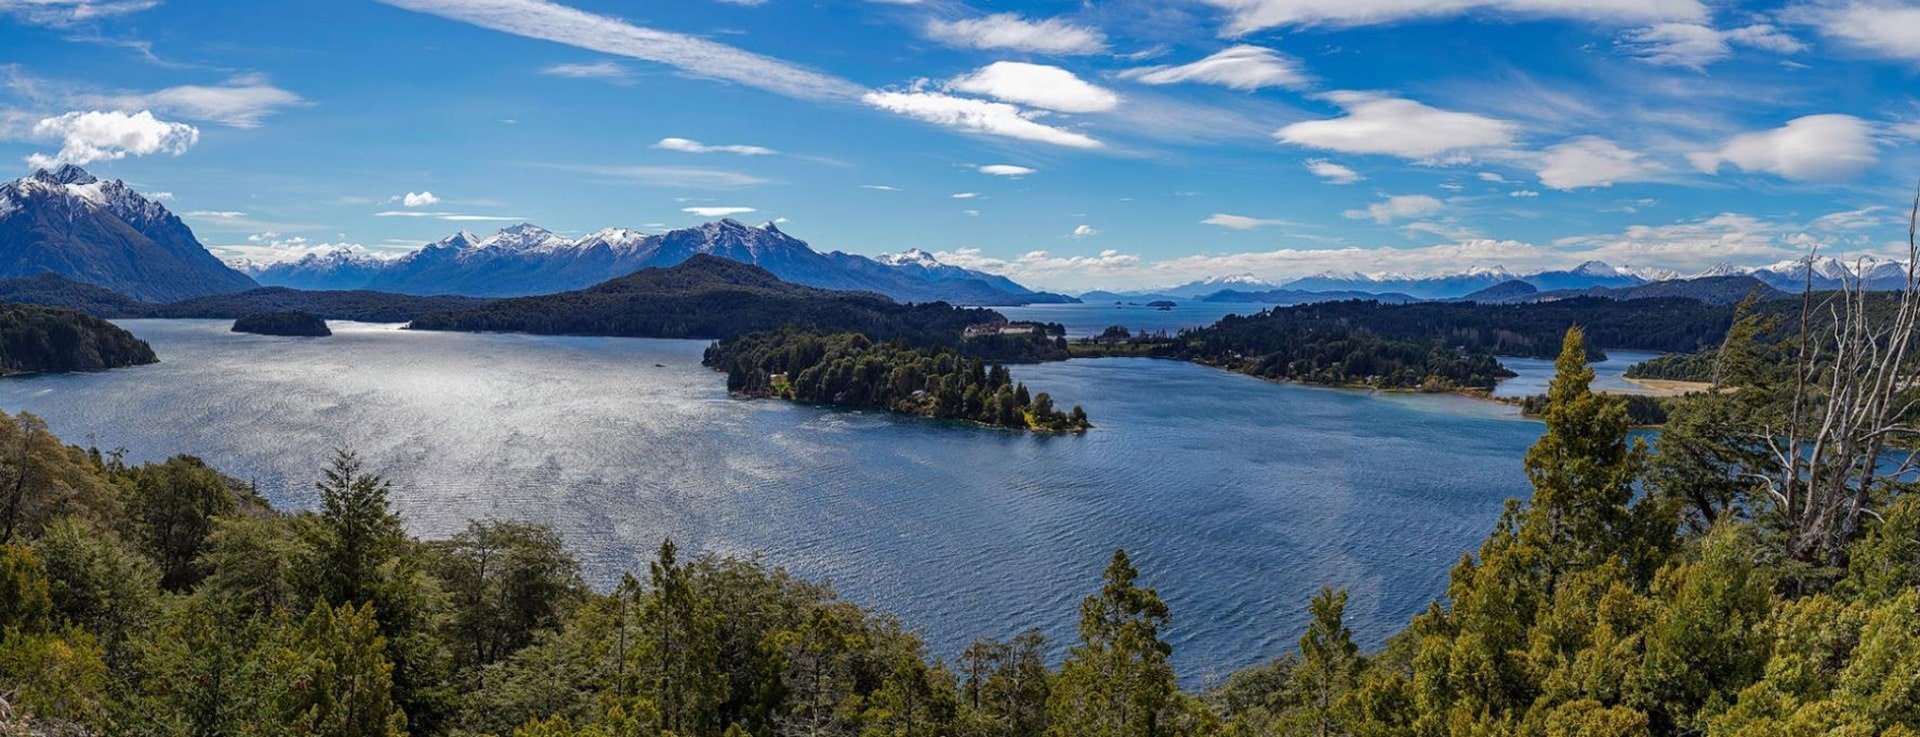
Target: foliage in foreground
x,y
1635,593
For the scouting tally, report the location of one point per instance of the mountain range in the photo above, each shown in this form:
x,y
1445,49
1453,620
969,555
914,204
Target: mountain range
x,y
526,259
1498,283
65,221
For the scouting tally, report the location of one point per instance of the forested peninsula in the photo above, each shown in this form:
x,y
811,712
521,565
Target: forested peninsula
x,y
40,339
1428,346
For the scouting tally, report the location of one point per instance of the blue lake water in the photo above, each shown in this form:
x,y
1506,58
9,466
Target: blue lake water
x,y
1238,497
1087,319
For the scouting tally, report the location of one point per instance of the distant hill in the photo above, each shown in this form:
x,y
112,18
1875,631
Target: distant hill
x,y
1507,291
66,222
526,259
1298,297
359,304
709,297
53,290
39,339
1718,290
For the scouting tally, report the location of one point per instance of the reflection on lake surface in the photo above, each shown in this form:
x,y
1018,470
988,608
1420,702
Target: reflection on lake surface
x,y
1238,497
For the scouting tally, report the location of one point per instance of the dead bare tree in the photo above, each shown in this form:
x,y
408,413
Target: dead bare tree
x,y
1856,387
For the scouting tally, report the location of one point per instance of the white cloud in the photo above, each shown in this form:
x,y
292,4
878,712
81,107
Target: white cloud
x,y
690,146
695,56
1005,170
1492,176
1376,124
977,116
1591,161
965,195
241,102
716,212
1689,246
1816,147
1333,173
1398,207
1694,46
1880,27
1253,15
63,13
86,137
215,214
419,199
1523,193
1242,222
1243,67
880,187
607,70
1012,32
1038,85
1085,231
274,250
1040,266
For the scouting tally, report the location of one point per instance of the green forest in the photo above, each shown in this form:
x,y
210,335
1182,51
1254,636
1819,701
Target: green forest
x,y
36,339
1702,587
851,370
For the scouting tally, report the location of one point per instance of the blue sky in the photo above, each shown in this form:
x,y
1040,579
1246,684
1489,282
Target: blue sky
x,y
1067,144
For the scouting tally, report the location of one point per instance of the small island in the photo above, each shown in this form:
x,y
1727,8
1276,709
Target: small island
x,y
1162,305
291,323
852,370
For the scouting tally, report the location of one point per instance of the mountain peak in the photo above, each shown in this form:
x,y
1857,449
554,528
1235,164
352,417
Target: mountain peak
x,y
1596,268
65,174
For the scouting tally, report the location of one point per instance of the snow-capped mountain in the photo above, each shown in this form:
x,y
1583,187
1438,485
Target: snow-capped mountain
x,y
1828,272
1444,286
67,222
527,259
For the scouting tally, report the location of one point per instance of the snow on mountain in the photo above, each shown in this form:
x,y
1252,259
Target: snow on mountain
x,y
527,259
67,222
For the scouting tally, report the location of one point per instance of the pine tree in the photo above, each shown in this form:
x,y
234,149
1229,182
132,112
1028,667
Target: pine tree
x,y
1583,472
1329,664
676,657
362,532
1116,682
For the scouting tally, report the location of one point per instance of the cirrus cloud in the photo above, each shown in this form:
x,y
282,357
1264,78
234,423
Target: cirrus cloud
x,y
716,212
1244,67
690,146
1253,15
977,116
1011,32
1005,170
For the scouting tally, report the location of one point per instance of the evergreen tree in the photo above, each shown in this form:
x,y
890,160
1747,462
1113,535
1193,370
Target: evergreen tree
x,y
1329,664
1583,472
1116,682
335,679
361,533
676,657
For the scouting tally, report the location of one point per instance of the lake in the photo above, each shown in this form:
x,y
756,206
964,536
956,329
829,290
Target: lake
x,y
1088,319
1239,498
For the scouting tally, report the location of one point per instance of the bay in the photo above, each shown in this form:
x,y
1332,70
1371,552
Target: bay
x,y
1239,498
